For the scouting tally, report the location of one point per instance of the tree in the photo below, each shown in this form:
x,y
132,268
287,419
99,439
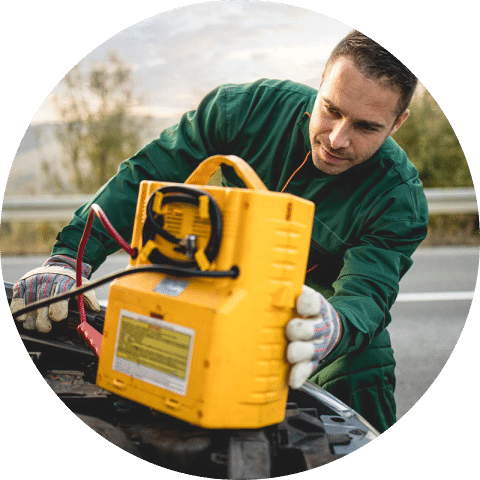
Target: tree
x,y
431,144
97,129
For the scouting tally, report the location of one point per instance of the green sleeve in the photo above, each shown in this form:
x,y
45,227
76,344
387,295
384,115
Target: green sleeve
x,y
171,157
368,283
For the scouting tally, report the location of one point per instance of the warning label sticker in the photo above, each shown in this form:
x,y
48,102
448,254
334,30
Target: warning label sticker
x,y
154,351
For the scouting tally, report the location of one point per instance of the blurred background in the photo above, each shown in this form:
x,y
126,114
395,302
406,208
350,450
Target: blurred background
x,y
140,81
122,94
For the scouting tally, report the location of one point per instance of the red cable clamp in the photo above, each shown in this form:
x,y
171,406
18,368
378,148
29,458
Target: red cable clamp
x,y
85,330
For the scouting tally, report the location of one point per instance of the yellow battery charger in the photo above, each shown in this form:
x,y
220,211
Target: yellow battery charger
x,y
209,351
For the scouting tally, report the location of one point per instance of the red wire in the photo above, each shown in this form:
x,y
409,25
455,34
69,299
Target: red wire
x,y
111,230
92,336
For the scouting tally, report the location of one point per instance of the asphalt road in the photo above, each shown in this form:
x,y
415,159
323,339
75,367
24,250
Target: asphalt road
x,y
428,317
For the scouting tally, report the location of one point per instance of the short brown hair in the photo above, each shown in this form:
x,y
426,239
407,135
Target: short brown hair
x,y
376,63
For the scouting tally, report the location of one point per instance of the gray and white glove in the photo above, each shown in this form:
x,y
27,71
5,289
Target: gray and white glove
x,y
55,276
313,337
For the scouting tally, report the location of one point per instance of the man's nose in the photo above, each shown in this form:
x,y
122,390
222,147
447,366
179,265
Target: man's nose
x,y
340,136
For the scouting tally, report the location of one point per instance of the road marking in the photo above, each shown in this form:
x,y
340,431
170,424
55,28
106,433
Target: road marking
x,y
445,251
434,296
408,297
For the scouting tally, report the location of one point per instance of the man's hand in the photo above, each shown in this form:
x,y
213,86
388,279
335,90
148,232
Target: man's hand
x,y
313,337
55,276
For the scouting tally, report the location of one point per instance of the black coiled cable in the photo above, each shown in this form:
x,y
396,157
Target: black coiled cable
x,y
154,223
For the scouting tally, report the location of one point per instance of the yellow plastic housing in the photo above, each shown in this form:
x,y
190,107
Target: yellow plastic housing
x,y
212,351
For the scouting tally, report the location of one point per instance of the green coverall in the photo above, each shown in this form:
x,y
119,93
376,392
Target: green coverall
x,y
368,220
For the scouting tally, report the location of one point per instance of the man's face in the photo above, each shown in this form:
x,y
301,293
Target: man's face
x,y
352,117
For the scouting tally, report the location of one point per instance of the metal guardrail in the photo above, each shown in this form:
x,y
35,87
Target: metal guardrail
x,y
61,207
451,200
41,207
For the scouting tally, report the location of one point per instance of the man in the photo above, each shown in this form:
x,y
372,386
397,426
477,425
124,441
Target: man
x,y
332,147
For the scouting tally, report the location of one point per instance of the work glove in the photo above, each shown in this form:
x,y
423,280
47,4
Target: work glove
x,y
312,337
55,276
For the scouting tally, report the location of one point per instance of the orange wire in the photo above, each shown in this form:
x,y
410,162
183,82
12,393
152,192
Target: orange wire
x,y
285,186
294,173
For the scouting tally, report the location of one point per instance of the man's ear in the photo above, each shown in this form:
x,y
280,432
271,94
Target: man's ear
x,y
399,121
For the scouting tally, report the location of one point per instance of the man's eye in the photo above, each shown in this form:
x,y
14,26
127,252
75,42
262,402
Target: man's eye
x,y
366,127
331,110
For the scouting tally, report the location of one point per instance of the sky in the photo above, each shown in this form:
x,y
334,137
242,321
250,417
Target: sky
x,y
180,55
